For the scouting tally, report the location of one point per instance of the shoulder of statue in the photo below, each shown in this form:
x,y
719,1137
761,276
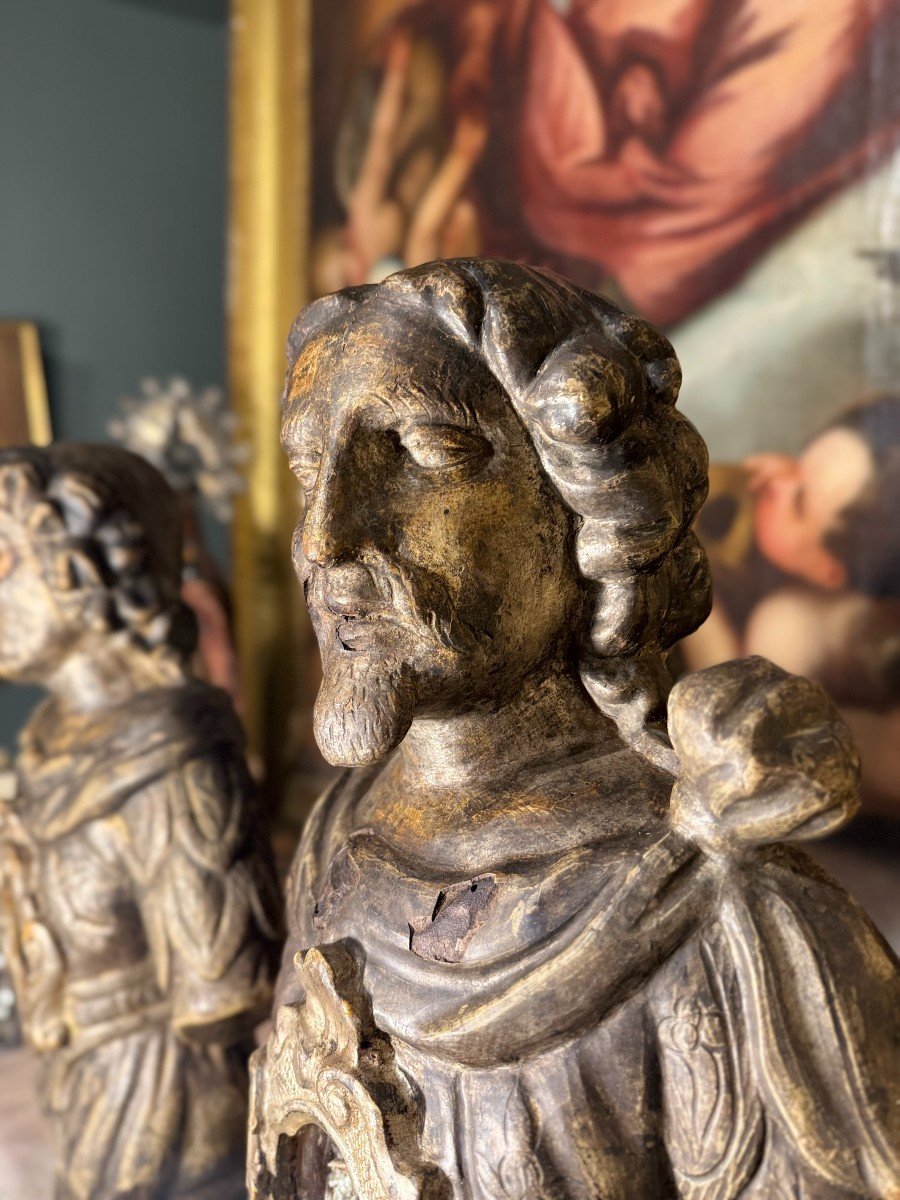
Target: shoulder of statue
x,y
764,757
327,827
200,807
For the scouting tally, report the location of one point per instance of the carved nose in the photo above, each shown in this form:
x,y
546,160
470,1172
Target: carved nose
x,y
341,519
316,542
326,538
350,590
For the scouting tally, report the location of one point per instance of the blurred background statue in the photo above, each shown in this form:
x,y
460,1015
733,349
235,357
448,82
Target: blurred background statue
x,y
140,903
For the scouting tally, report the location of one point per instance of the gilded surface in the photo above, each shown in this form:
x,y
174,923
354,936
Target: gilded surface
x,y
139,903
551,892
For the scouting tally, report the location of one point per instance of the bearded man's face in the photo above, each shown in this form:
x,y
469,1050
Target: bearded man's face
x,y
436,557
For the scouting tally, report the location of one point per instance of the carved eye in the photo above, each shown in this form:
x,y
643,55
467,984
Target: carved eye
x,y
440,447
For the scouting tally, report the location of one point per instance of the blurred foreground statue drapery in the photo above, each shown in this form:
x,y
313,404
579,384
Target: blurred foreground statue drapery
x,y
140,910
545,940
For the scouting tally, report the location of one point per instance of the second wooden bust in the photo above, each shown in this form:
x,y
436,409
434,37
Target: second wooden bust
x,y
141,910
542,945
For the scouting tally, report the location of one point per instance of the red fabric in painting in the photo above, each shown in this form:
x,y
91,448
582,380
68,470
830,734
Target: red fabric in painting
x,y
666,143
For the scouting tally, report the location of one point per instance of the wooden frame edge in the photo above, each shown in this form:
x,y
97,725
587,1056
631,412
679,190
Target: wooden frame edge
x,y
37,405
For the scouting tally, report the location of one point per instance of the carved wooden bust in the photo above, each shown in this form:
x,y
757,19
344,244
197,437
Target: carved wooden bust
x,y
544,939
139,901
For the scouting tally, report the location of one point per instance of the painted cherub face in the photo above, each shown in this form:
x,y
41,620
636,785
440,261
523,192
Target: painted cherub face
x,y
436,558
35,632
798,502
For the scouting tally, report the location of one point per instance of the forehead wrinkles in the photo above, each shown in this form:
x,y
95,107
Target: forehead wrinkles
x,y
443,398
312,376
410,380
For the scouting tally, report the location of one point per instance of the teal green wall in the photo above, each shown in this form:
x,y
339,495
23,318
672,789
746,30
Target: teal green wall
x,y
112,200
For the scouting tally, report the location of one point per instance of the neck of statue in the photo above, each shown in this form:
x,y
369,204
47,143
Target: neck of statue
x,y
549,719
107,675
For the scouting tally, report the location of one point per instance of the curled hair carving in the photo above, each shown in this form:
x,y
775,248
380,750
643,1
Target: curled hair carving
x,y
106,528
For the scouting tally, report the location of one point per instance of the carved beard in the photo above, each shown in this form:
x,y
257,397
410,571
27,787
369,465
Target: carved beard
x,y
367,701
363,710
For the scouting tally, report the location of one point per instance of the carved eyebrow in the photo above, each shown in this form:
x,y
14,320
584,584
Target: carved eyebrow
x,y
289,434
439,402
436,403
299,423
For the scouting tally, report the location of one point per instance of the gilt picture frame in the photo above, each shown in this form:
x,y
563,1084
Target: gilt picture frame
x,y
268,241
24,408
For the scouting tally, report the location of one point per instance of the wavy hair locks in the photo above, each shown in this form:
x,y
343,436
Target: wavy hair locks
x,y
107,529
595,388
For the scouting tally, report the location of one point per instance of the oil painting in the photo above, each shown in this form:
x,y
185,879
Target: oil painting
x,y
728,169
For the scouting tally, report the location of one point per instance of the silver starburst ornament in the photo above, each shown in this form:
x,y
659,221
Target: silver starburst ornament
x,y
190,436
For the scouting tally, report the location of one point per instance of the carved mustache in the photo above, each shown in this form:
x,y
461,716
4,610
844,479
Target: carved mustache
x,y
378,588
